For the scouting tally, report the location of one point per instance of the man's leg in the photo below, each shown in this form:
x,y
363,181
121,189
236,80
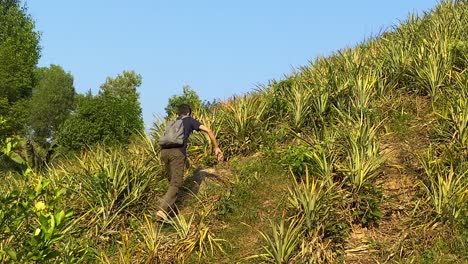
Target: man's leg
x,y
175,160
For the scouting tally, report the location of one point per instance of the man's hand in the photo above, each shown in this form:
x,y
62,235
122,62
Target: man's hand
x,y
219,154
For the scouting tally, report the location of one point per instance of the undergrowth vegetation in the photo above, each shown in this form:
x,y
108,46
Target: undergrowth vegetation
x,y
304,159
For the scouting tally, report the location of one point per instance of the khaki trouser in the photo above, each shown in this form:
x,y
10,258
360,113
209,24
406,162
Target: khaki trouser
x,y
174,160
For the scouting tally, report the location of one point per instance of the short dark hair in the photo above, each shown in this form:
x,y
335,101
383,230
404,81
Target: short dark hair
x,y
184,109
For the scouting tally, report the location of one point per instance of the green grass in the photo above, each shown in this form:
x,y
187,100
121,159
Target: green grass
x,y
247,204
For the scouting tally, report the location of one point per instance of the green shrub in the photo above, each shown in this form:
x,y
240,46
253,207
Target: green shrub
x,y
33,222
366,205
296,158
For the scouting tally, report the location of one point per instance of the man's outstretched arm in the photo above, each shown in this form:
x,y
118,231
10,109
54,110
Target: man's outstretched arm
x,y
217,150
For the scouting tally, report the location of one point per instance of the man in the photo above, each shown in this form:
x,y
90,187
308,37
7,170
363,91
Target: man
x,y
175,159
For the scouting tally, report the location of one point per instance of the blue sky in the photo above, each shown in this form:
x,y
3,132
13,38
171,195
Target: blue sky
x,y
219,48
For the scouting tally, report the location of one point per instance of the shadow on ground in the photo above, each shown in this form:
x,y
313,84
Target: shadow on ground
x,y
193,183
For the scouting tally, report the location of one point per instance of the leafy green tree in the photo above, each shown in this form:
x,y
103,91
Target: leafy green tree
x,y
51,102
19,51
122,99
188,96
112,116
9,3
19,54
123,86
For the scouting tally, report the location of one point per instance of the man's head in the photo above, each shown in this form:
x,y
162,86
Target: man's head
x,y
184,109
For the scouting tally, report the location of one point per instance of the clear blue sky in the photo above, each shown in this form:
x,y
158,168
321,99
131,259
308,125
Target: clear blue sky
x,y
219,48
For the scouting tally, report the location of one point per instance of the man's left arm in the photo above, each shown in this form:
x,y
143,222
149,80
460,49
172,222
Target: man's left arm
x,y
217,150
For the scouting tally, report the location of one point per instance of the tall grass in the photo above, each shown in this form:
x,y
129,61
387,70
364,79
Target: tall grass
x,y
282,243
432,66
153,239
195,235
322,164
396,62
362,156
452,125
445,185
323,83
109,183
298,101
240,119
312,200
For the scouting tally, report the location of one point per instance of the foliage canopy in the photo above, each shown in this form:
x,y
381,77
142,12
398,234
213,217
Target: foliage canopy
x,y
188,96
110,117
51,102
19,54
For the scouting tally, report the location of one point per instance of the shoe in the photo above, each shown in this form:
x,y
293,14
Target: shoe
x,y
161,216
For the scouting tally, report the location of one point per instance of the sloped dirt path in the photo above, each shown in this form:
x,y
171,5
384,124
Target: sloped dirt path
x,y
398,182
249,192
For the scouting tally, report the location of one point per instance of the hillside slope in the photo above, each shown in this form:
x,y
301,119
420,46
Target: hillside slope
x,y
359,157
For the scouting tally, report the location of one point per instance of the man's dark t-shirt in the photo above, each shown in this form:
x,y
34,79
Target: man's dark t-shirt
x,y
190,124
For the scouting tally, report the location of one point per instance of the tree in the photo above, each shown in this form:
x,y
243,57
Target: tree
x,y
120,94
112,116
51,102
188,96
9,3
19,54
123,86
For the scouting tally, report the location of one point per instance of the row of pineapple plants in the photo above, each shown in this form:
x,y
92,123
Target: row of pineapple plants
x,y
425,57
